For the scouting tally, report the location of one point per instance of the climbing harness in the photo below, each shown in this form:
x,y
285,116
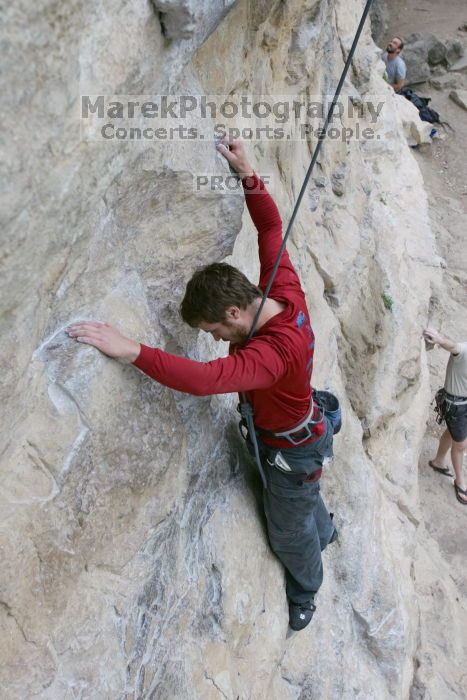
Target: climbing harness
x,y
446,404
303,431
298,433
246,409
323,403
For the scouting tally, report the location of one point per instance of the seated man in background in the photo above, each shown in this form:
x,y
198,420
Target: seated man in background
x,y
396,69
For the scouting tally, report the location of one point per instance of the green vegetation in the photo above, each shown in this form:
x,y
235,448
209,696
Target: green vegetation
x,y
388,301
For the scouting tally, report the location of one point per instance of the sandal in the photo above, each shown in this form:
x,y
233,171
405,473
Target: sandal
x,y
442,470
459,491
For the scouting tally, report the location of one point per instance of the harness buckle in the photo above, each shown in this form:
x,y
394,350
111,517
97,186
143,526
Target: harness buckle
x,y
305,427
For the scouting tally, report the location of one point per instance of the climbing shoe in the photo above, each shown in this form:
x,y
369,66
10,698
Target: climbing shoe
x,y
300,614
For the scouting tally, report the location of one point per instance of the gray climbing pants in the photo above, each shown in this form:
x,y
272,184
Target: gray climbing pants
x,y
299,525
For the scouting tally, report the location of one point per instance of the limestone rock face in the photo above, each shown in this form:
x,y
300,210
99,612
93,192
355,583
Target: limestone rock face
x,y
134,558
415,130
379,14
459,97
184,19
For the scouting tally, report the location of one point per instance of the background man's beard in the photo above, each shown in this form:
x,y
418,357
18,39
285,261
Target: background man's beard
x,y
389,49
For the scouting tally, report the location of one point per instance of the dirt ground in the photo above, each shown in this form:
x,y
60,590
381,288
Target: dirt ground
x,y
440,18
444,168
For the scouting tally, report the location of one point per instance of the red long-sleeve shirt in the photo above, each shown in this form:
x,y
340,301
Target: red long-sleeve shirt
x,y
274,368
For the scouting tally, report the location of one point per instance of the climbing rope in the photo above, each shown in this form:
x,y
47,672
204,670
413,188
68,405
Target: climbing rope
x,y
246,409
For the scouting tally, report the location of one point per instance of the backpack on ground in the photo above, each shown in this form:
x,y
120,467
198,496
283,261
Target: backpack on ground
x,y
419,102
427,114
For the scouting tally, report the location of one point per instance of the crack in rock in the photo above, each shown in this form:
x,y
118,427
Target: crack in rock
x,y
215,685
11,614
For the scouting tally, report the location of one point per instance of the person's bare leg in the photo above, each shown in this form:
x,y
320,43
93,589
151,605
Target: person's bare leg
x,y
444,446
457,455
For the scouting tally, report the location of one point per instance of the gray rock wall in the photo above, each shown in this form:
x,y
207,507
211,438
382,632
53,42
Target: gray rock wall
x,y
135,558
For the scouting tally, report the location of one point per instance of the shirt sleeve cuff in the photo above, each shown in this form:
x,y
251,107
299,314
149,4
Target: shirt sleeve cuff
x,y
253,183
144,359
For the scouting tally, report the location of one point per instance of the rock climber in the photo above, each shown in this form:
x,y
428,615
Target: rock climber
x,y
396,69
274,370
452,403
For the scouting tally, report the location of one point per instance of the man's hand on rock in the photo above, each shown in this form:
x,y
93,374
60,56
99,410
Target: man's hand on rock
x,y
235,155
432,335
106,339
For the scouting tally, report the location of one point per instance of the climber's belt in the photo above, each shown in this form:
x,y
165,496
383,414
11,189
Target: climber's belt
x,y
456,400
301,432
